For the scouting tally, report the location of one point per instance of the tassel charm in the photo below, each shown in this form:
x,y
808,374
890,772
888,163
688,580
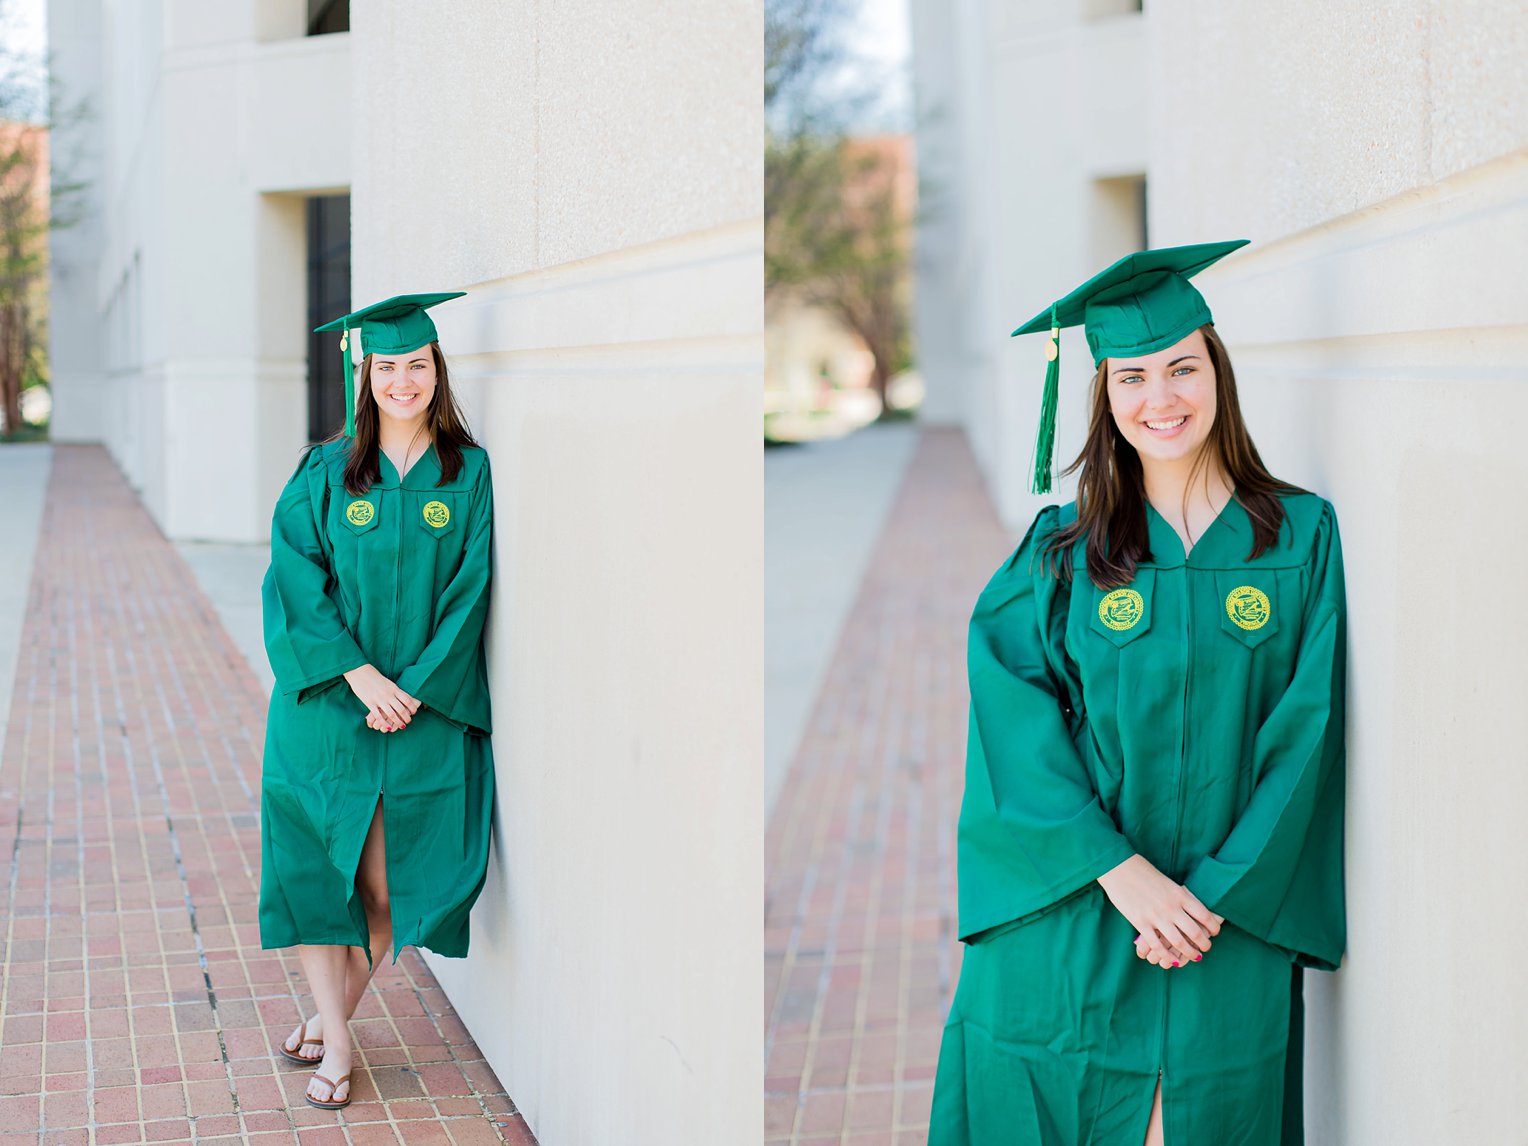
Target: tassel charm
x,y
349,384
1045,435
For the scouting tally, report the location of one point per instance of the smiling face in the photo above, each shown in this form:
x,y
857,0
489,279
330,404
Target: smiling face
x,y
403,385
1164,403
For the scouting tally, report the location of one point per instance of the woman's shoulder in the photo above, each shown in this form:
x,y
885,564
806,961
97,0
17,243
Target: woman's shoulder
x,y
1305,510
1049,521
474,464
318,462
1309,521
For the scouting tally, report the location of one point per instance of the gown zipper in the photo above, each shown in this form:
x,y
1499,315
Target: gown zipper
x,y
1188,651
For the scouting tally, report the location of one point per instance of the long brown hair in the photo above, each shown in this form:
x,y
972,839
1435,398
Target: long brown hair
x,y
444,420
1111,491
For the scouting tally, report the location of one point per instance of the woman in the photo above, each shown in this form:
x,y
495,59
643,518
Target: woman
x,y
377,788
1150,843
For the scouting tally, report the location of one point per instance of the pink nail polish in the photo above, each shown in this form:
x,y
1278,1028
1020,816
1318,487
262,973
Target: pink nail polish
x,y
1174,964
1197,958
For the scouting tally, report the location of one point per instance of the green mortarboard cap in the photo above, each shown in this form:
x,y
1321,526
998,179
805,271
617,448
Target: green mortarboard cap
x,y
393,326
1141,304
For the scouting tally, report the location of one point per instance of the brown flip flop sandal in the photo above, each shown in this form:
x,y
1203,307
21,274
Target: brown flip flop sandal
x,y
333,1089
294,1057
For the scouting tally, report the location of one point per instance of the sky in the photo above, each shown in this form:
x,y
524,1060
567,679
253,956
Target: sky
x,y
26,25
882,40
887,36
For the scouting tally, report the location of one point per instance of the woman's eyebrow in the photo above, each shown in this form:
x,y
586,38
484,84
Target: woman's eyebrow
x,y
1138,369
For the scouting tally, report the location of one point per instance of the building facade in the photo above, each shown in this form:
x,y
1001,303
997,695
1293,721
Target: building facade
x,y
592,175
1377,157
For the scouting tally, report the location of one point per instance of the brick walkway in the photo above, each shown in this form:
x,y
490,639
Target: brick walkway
x,y
860,950
136,1004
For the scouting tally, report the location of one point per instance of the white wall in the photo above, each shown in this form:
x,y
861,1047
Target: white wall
x,y
1017,125
193,263
76,356
1377,156
592,173
1379,326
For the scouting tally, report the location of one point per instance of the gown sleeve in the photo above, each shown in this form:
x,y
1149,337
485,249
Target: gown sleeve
x,y
448,676
1278,874
1032,826
306,640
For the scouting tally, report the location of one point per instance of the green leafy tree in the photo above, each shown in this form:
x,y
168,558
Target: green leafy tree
x,y
32,117
838,210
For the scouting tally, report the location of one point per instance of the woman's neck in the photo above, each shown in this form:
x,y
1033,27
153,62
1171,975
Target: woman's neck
x,y
404,442
1188,500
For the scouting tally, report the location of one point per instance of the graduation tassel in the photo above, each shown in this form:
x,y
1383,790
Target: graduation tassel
x,y
349,384
1045,436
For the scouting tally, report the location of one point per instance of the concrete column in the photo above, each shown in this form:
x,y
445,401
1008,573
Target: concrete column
x,y
76,354
1379,160
592,174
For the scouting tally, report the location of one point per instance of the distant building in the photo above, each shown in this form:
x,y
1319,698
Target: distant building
x,y
813,355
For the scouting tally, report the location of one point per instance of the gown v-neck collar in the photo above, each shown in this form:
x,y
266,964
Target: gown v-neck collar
x,y
426,469
1230,525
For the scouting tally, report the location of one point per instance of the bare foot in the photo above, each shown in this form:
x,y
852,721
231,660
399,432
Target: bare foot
x,y
310,1031
335,1065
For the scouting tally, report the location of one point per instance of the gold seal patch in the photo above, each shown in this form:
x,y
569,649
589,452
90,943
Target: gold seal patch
x,y
1248,608
1121,609
436,514
360,512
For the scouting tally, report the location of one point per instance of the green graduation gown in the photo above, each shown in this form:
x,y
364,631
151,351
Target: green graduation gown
x,y
397,578
1196,717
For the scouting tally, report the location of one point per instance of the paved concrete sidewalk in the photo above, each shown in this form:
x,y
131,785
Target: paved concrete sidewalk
x,y
24,471
860,949
824,506
135,1002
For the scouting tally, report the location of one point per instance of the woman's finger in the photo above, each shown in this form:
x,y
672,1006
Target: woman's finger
x,y
1174,943
1201,914
1196,935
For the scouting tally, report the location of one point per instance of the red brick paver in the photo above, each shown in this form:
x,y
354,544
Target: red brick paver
x,y
136,1004
860,950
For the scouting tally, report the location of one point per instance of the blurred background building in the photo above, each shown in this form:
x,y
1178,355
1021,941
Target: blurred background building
x,y
1377,157
590,174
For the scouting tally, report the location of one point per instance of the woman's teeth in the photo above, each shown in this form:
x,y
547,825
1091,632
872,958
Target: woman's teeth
x,y
1172,425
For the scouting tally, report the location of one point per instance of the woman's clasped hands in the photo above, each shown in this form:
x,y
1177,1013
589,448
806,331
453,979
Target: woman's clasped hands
x,y
1173,928
388,707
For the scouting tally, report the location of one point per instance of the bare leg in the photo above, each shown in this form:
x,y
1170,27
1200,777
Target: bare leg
x,y
1154,1126
325,968
371,885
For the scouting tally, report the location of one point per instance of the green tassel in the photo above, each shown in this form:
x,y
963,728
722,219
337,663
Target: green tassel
x,y
349,384
1045,436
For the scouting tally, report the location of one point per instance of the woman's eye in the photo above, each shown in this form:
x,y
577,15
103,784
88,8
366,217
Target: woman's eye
x,y
1129,378
1184,370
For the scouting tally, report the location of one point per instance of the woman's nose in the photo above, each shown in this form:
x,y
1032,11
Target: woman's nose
x,y
1158,392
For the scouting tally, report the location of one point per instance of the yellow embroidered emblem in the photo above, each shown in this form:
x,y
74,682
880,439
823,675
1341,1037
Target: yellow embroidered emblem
x,y
360,512
1248,608
1122,609
436,514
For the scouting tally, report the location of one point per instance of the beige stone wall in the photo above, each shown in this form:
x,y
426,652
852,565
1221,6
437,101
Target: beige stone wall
x,y
1377,156
592,174
1379,326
